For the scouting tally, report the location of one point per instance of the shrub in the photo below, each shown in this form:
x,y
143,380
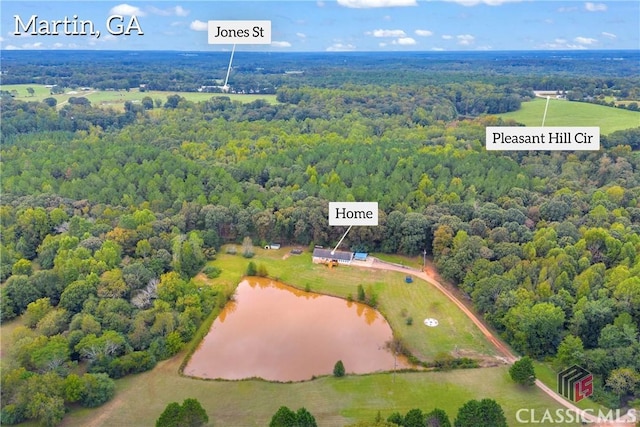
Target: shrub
x,y
251,269
338,369
12,414
247,248
98,388
262,271
211,271
522,371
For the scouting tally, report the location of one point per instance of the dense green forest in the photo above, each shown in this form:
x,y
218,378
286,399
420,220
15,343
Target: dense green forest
x,y
106,216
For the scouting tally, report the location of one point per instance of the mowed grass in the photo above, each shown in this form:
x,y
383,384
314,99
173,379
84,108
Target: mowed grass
x,y
140,399
116,99
397,300
568,113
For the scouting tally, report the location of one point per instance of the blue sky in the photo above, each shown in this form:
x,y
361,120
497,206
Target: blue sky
x,y
342,25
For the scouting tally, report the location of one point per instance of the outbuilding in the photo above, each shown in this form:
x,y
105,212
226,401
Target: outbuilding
x,y
360,256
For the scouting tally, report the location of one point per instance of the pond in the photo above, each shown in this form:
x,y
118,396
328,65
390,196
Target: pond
x,y
280,333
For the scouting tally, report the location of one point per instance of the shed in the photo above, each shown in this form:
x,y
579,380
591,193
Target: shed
x,y
273,246
360,256
324,255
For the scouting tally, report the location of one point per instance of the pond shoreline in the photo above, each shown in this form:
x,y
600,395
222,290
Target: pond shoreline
x,y
279,333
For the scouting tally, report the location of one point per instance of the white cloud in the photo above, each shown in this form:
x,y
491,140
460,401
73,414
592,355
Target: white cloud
x,y
365,4
437,49
11,47
320,4
595,7
382,44
386,33
199,26
487,2
301,35
567,9
609,35
560,43
180,11
36,45
387,18
585,40
58,45
341,47
424,33
404,41
280,44
1,39
126,10
447,37
171,11
465,39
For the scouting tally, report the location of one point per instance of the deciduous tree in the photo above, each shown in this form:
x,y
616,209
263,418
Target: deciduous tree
x,y
522,371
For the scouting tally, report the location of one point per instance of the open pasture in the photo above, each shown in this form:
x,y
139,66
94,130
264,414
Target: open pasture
x,y
567,113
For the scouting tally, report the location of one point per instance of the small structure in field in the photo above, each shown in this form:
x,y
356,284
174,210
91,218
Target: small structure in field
x,y
431,322
296,251
273,246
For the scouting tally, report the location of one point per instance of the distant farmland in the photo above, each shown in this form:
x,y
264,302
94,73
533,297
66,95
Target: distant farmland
x,y
567,113
116,98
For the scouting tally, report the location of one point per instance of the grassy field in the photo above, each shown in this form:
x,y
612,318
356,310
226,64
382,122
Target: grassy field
x,y
116,99
397,300
333,401
567,113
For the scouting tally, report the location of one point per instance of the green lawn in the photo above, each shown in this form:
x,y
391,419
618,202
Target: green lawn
x,y
116,99
6,339
333,401
397,299
568,113
413,262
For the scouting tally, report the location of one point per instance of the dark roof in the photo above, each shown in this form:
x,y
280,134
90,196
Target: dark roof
x,y
326,253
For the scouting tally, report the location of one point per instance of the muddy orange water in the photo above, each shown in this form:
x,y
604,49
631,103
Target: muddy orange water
x,y
279,333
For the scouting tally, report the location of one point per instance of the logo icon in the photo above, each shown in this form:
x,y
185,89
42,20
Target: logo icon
x,y
575,383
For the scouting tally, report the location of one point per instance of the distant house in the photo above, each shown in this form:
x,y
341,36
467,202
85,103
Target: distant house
x,y
324,255
360,256
273,246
